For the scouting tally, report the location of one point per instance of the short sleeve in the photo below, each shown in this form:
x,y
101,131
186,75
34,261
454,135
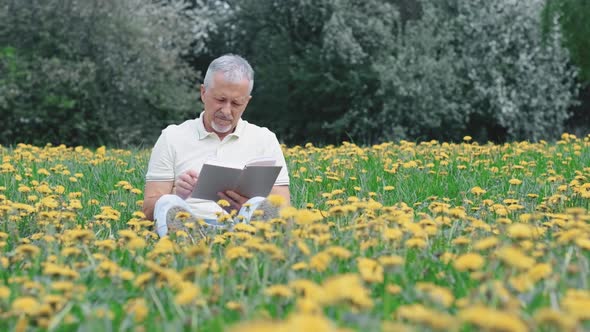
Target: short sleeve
x,y
276,152
161,164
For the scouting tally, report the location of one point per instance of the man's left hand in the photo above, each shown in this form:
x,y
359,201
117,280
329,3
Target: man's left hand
x,y
235,199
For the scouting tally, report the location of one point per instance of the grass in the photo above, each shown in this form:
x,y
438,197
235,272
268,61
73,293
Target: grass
x,y
376,241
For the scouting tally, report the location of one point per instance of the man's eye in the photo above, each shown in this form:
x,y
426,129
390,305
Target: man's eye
x,y
221,100
236,104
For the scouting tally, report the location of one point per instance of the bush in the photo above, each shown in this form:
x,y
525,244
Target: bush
x,y
95,71
477,67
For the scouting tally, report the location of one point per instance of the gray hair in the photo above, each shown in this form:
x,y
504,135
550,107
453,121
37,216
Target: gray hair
x,y
234,69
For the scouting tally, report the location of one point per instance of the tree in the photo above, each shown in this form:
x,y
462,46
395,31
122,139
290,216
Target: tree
x,y
573,18
312,60
95,71
477,67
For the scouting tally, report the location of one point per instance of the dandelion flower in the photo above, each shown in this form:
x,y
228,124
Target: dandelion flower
x,y
25,305
486,243
515,258
276,200
279,291
223,203
469,262
477,191
515,182
492,319
520,231
548,316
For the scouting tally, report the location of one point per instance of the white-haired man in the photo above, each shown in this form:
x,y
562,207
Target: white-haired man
x,y
218,133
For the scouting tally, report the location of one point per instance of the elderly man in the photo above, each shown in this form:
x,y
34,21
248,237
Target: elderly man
x,y
219,133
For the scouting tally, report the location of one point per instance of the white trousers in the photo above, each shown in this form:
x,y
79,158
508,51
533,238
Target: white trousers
x,y
164,203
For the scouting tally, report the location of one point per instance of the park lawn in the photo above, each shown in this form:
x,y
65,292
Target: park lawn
x,y
425,236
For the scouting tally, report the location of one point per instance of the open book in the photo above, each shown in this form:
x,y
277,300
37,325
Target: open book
x,y
255,179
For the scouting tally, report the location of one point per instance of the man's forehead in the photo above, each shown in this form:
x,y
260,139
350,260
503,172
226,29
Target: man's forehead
x,y
222,94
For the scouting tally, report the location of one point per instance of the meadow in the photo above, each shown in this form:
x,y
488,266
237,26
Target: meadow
x,y
392,237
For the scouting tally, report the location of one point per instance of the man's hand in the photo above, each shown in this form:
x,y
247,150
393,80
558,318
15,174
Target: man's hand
x,y
234,198
186,183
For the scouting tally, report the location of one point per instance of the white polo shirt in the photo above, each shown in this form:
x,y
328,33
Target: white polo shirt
x,y
189,145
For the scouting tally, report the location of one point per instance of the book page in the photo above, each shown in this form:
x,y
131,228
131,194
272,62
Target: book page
x,y
262,161
220,163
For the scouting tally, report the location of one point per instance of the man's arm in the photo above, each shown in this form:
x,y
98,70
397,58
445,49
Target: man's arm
x,y
282,191
153,191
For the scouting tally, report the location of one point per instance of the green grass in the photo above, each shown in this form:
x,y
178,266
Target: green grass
x,y
232,292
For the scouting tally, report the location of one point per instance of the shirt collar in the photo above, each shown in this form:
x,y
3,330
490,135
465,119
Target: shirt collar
x,y
203,133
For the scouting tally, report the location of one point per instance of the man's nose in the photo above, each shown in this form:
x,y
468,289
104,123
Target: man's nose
x,y
226,108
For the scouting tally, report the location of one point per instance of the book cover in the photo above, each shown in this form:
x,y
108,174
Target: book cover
x,y
255,179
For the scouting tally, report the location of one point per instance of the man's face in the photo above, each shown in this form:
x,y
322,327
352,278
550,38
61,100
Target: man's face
x,y
224,103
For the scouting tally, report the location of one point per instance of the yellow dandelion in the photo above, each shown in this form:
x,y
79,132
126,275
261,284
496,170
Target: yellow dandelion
x,y
540,271
461,240
320,261
520,231
4,292
416,243
393,289
238,252
25,305
299,266
288,212
561,320
307,217
515,258
486,243
389,261
492,319
223,203
187,294
583,243
370,270
138,308
469,262
235,306
584,190
419,314
515,182
276,200
279,291
392,234
477,191
28,250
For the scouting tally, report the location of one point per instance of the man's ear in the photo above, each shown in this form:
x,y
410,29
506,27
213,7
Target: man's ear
x,y
202,92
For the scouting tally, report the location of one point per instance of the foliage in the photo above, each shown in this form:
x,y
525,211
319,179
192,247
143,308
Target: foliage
x,y
380,70
93,72
573,17
312,60
366,71
477,66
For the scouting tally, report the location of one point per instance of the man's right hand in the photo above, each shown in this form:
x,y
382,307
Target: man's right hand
x,y
186,183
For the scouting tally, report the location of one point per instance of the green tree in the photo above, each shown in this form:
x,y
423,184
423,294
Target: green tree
x,y
477,67
313,63
96,71
573,18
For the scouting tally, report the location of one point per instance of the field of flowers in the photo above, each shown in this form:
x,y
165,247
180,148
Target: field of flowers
x,y
392,237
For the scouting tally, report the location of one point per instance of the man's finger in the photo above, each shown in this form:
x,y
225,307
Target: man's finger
x,y
230,200
236,196
192,174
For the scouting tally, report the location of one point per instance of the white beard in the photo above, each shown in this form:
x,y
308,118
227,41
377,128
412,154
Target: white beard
x,y
220,129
